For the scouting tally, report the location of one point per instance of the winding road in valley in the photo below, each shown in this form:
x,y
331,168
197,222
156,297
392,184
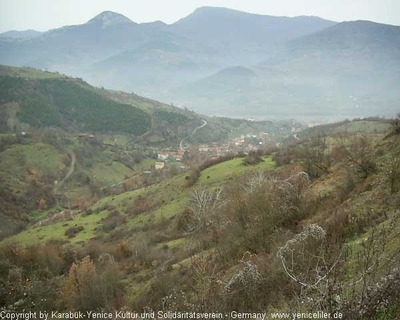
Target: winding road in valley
x,y
181,146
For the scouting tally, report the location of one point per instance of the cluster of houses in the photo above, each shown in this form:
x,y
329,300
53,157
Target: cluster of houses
x,y
170,155
244,143
214,149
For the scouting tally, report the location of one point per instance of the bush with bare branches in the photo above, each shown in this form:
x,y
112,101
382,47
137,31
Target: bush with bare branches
x,y
325,281
204,210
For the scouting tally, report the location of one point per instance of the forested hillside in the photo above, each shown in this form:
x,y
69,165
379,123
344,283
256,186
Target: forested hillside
x,y
62,102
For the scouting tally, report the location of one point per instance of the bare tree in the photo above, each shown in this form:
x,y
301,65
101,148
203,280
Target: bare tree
x,y
358,151
316,157
204,206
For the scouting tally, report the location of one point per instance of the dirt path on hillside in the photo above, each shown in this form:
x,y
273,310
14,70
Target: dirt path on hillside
x,y
70,171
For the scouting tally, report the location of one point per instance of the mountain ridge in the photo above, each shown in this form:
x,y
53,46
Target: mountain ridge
x,y
298,62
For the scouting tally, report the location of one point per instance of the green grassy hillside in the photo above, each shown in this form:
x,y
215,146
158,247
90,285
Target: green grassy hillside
x,y
165,200
259,230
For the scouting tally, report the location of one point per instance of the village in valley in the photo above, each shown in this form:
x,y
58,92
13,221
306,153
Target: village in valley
x,y
153,162
213,151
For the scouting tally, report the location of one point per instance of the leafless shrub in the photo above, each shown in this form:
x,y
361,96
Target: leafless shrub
x,y
255,181
206,279
256,216
243,289
246,279
177,300
204,207
321,278
297,248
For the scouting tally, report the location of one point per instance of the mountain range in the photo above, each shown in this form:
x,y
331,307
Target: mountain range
x,y
226,62
351,69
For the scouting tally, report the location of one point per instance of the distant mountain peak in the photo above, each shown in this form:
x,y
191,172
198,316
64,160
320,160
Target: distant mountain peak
x,y
109,18
216,11
25,34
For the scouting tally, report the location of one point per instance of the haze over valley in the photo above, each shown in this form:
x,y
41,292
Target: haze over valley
x,y
224,62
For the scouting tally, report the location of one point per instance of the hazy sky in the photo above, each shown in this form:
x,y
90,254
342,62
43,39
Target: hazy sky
x,y
49,14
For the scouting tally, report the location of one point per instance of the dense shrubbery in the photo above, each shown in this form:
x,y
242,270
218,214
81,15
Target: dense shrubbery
x,y
33,277
212,162
140,205
30,277
113,220
73,231
253,158
90,287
